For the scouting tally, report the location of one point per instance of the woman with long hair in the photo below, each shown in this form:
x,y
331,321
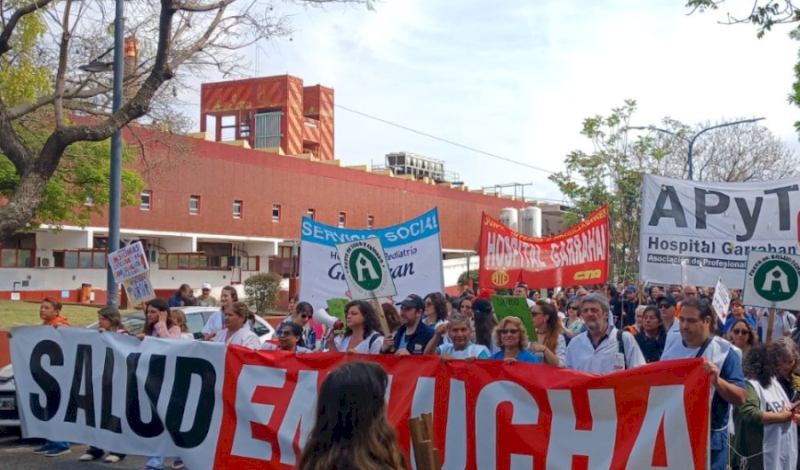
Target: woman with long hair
x,y
303,312
158,322
237,315
392,317
362,331
653,337
108,319
465,306
290,338
351,429
510,334
550,345
179,318
742,335
435,309
766,436
216,322
485,323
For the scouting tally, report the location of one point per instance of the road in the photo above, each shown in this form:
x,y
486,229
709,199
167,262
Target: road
x,y
16,453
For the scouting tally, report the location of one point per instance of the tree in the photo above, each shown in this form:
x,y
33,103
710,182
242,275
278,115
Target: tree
x,y
612,172
262,291
473,275
764,14
42,44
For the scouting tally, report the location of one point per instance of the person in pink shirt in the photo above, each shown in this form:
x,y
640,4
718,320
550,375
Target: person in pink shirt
x,y
158,322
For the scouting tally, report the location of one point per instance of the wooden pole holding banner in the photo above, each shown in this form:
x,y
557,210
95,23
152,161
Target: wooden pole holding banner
x,y
426,455
382,318
770,324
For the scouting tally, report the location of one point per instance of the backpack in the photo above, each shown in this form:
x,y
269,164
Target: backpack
x,y
621,347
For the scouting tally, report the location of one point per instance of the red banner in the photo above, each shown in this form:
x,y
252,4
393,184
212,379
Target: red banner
x,y
486,414
576,257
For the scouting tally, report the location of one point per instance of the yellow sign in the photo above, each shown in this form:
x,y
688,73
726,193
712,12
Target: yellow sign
x,y
500,278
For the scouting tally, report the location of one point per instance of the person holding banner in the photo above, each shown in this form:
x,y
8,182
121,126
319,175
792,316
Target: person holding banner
x,y
352,430
512,337
722,364
236,316
50,313
290,338
461,345
550,345
362,331
413,335
602,348
303,312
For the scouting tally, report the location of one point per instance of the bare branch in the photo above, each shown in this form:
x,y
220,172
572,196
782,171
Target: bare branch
x,y
8,28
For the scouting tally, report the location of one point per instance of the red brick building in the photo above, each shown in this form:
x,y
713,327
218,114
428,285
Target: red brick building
x,y
223,209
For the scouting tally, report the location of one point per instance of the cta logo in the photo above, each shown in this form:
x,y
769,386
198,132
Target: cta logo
x,y
500,278
588,275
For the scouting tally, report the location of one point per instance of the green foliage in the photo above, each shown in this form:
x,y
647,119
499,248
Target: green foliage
x,y
22,77
82,175
473,274
262,291
611,174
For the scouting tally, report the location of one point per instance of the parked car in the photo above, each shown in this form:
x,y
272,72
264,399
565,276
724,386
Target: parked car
x,y
196,318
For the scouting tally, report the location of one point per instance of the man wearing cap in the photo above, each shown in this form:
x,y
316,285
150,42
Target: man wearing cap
x,y
413,335
205,299
667,304
629,305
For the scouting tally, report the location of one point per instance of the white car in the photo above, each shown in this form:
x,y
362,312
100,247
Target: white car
x,y
196,318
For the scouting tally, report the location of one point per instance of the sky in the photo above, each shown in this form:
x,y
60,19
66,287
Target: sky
x,y
516,78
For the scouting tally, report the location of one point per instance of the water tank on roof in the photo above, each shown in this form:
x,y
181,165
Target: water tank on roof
x,y
530,221
508,217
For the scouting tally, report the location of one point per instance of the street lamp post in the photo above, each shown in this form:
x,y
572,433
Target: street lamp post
x,y
694,137
115,174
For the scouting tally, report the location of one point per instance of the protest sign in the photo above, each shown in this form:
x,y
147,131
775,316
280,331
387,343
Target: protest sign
x,y
232,408
336,308
365,269
128,262
722,300
771,280
513,306
413,250
575,257
139,288
713,227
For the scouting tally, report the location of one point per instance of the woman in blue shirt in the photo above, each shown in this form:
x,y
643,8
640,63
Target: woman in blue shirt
x,y
512,338
738,313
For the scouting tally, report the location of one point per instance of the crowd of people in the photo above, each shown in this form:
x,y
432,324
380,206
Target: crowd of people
x,y
596,330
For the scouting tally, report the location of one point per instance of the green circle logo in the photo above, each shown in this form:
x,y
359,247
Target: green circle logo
x,y
366,269
776,281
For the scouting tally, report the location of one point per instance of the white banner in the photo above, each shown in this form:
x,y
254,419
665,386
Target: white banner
x,y
413,250
713,226
75,384
722,300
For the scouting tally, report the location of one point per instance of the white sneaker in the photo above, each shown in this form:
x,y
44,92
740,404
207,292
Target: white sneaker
x,y
87,457
112,459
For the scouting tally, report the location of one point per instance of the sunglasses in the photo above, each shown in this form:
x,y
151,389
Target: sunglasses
x,y
664,306
306,315
509,332
285,333
740,332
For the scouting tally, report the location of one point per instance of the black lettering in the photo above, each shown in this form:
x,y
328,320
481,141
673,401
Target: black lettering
x,y
784,216
749,219
152,387
185,367
702,209
82,374
48,383
108,421
674,212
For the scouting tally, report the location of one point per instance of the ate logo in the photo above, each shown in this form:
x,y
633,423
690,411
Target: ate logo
x,y
366,269
776,281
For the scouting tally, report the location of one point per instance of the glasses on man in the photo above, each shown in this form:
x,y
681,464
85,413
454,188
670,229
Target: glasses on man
x,y
285,333
509,332
740,332
306,315
664,306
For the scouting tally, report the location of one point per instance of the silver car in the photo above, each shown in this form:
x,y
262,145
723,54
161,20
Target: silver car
x,y
196,318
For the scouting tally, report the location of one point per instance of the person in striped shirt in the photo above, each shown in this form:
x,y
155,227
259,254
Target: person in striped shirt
x,y
460,346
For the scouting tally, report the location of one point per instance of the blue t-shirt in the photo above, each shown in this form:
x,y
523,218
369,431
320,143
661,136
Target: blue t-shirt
x,y
729,322
523,356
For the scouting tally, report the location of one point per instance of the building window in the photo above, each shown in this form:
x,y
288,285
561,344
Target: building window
x,y
194,205
342,219
370,222
237,209
268,130
312,214
146,198
276,212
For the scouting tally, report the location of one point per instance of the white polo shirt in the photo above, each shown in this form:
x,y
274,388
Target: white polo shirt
x,y
583,356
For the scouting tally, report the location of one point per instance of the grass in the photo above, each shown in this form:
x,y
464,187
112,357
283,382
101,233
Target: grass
x,y
14,313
